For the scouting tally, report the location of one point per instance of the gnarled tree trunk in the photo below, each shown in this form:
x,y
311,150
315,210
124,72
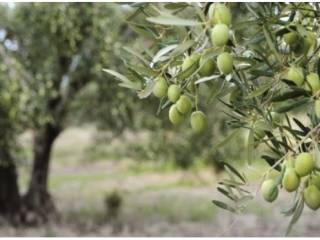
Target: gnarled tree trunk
x,y
37,201
10,203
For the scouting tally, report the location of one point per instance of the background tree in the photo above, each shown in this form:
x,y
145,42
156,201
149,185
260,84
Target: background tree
x,y
61,48
12,117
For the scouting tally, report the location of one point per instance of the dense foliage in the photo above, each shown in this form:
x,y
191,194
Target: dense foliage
x,y
49,53
260,61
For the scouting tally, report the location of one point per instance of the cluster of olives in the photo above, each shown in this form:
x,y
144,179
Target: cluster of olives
x,y
181,106
220,18
310,83
302,168
299,44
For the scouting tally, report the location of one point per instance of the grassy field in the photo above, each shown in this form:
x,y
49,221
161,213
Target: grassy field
x,y
157,198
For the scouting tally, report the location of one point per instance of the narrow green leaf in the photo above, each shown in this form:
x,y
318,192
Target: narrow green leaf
x,y
232,169
117,75
226,193
182,48
230,183
218,89
288,212
304,128
270,42
223,206
173,21
162,52
199,11
175,6
296,215
289,95
205,79
290,105
271,161
260,90
136,54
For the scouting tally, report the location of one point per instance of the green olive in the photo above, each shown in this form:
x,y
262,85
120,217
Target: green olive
x,y
235,95
190,65
219,35
304,164
295,74
311,196
207,67
317,108
198,121
314,82
291,38
291,180
315,180
184,104
175,116
174,92
307,42
219,13
269,190
225,63
160,87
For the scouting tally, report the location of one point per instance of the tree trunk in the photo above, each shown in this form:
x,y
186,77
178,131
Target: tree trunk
x,y
10,204
37,201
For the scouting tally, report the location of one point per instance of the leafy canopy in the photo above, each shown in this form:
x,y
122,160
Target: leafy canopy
x,y
261,62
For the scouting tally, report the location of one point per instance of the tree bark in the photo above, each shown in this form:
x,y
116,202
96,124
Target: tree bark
x,y
10,202
37,201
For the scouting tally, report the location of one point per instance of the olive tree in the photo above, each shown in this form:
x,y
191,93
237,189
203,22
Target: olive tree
x,y
260,61
60,48
13,116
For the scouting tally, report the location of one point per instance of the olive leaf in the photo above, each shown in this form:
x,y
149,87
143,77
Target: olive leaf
x,y
125,82
224,206
260,90
182,48
172,21
226,193
232,169
136,54
289,95
159,55
176,5
296,215
205,79
290,104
